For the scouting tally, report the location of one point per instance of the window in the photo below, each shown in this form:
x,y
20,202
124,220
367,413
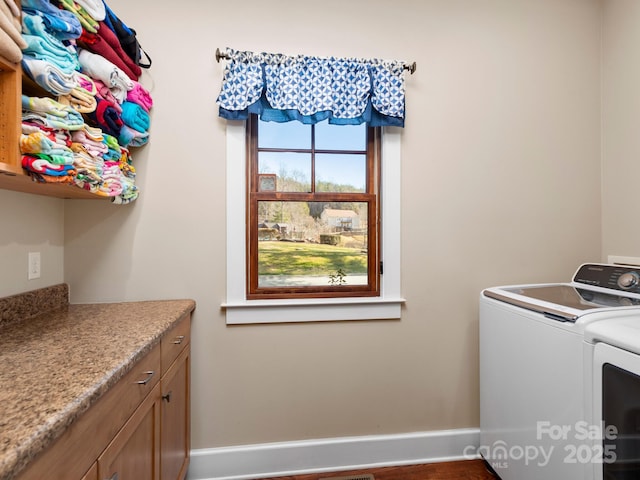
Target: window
x,y
313,210
242,310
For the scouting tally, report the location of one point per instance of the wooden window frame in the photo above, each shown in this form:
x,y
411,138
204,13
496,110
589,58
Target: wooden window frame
x,y
371,196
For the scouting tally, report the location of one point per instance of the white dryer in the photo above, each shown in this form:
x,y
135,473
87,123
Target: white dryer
x,y
616,396
535,371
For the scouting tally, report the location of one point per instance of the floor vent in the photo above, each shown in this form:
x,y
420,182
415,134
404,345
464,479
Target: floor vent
x,y
366,476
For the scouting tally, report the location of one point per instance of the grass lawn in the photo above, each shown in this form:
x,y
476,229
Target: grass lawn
x,y
290,258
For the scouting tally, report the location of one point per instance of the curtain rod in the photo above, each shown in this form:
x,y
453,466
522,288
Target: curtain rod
x,y
219,55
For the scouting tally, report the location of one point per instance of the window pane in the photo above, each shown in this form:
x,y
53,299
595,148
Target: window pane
x,y
293,170
341,173
312,244
290,135
341,137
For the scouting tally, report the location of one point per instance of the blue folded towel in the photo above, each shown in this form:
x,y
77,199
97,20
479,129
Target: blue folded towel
x,y
135,116
62,24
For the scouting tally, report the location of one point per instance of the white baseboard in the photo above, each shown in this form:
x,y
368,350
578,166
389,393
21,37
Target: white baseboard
x,y
334,454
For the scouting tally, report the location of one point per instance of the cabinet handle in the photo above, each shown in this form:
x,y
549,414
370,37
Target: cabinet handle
x,y
113,477
144,382
179,339
167,397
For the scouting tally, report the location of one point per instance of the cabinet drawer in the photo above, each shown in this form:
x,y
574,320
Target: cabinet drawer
x,y
174,342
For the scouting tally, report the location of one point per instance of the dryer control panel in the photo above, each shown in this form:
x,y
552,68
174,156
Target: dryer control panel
x,y
615,277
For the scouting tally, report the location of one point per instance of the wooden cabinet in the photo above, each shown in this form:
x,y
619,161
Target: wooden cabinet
x,y
10,113
175,419
134,453
92,474
138,430
175,410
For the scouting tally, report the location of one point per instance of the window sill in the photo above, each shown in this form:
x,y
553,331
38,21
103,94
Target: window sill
x,y
322,310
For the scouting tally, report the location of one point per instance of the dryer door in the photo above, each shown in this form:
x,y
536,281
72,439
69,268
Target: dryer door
x,y
616,402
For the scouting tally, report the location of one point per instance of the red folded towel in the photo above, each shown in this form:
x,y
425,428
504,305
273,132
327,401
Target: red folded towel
x,y
107,34
98,45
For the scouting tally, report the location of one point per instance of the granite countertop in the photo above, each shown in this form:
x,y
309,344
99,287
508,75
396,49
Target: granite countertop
x,y
57,363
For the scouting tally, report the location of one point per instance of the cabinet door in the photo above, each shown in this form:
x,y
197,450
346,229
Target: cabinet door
x,y
175,423
134,454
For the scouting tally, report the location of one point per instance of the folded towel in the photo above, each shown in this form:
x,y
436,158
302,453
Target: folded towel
x,y
135,116
38,47
127,169
7,23
111,142
99,68
60,137
9,9
34,25
79,104
39,142
85,19
52,121
95,188
86,83
107,118
105,94
126,36
96,44
92,166
112,178
47,75
64,179
140,95
111,38
114,150
93,147
11,42
129,192
62,24
95,8
80,100
132,138
15,11
54,158
45,166
9,49
46,105
93,133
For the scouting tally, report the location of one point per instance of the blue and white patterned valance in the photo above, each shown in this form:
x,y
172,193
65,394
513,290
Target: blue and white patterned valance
x,y
280,88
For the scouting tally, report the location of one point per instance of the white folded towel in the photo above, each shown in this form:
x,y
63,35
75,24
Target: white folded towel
x,y
95,8
48,75
99,68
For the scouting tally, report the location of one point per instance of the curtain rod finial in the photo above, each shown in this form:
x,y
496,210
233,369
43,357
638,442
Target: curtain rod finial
x,y
220,55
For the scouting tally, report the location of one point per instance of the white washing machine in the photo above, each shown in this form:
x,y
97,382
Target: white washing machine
x,y
536,418
616,396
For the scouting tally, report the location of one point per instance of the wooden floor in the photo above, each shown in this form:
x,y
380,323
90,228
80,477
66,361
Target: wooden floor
x,y
463,470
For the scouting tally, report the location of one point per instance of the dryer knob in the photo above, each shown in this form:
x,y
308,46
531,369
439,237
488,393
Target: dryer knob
x,y
628,280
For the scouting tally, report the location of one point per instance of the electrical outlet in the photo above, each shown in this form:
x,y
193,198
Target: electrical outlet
x,y
34,265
